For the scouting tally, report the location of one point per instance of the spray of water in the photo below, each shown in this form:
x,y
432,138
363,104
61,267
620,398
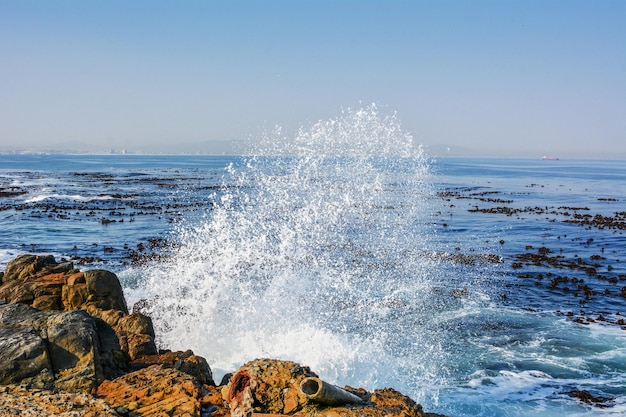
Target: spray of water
x,y
313,253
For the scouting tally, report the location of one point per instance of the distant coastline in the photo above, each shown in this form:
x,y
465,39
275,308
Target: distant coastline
x,y
238,148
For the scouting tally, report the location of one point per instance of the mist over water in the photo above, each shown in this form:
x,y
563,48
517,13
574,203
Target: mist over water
x,y
317,250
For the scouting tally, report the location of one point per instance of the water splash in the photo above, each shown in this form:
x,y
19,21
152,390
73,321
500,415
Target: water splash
x,y
314,252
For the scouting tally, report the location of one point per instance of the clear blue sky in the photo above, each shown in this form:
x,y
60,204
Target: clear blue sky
x,y
502,77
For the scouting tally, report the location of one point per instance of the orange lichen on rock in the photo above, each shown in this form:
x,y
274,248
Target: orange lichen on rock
x,y
273,387
154,391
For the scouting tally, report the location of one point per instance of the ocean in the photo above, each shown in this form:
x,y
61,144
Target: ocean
x,y
478,287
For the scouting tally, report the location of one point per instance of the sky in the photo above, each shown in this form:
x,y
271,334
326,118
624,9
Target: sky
x,y
490,78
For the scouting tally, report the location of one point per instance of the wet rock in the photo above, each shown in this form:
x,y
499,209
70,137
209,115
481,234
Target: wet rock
x,y
586,397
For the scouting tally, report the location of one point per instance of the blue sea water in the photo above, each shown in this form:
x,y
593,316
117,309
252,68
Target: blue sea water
x,y
479,287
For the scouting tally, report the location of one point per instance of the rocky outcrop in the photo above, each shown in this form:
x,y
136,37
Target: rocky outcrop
x,y
42,283
186,362
23,402
153,391
69,347
275,387
52,349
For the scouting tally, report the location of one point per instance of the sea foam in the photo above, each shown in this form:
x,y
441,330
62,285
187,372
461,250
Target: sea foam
x,y
314,252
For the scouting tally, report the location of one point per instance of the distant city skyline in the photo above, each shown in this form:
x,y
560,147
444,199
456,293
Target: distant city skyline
x,y
480,78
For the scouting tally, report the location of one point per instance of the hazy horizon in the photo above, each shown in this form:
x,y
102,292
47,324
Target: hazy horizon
x,y
481,78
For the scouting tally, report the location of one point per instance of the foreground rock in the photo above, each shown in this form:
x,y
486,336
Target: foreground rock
x,y
66,329
69,347
153,391
61,350
19,401
267,386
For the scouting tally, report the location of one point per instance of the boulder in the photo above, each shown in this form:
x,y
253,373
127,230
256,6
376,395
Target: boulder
x,y
95,288
41,282
136,334
105,291
48,349
266,386
29,266
24,358
74,351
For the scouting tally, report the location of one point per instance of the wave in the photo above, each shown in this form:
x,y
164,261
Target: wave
x,y
71,197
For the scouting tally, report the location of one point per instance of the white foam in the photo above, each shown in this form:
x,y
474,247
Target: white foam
x,y
73,197
7,255
306,258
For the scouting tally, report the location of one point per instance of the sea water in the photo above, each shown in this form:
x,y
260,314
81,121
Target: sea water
x,y
345,247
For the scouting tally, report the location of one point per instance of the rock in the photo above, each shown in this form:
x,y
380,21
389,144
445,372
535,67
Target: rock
x,y
389,402
137,334
48,349
29,277
268,386
27,265
19,401
96,289
74,351
47,302
134,332
74,294
154,391
105,291
41,282
24,358
136,323
113,359
586,397
29,289
186,362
